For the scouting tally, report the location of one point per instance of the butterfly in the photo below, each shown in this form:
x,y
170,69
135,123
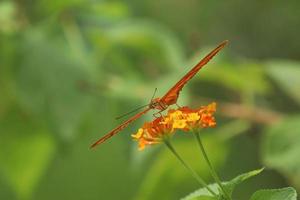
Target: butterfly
x,y
168,99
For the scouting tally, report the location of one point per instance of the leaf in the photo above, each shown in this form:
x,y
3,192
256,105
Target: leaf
x,y
48,80
229,186
286,74
203,194
143,52
288,193
166,175
26,149
281,147
236,76
150,38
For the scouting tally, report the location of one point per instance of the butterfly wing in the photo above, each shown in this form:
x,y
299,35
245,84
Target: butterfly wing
x,y
172,95
119,128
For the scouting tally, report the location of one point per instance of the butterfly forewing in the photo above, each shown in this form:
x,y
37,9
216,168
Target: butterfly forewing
x,y
172,95
119,128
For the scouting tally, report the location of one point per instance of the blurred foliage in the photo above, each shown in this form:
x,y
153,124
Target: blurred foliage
x,y
287,193
288,79
68,68
203,194
174,178
281,148
275,194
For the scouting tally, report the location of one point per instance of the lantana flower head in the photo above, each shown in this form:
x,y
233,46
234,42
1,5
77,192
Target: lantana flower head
x,y
153,132
184,118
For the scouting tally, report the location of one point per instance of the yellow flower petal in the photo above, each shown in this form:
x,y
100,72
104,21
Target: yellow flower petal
x,y
176,115
192,117
179,124
212,107
138,135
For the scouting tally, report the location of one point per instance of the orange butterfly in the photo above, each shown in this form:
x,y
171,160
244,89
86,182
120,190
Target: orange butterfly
x,y
168,99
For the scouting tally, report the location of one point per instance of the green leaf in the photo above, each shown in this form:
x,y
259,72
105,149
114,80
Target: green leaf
x,y
281,148
143,52
48,83
166,176
203,194
229,186
236,76
150,38
26,149
288,193
286,74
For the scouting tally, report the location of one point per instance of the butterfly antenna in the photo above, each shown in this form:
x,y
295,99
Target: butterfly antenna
x,y
155,90
136,109
132,111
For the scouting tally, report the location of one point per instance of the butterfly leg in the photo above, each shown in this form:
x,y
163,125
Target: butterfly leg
x,y
158,113
178,105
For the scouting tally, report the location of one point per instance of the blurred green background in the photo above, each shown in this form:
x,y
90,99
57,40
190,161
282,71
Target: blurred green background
x,y
68,68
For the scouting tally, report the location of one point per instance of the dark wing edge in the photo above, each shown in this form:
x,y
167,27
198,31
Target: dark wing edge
x,y
119,128
171,96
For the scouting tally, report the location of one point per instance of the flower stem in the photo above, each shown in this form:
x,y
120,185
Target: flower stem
x,y
195,175
211,168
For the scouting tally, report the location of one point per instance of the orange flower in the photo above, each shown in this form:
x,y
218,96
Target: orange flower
x,y
184,118
202,117
153,132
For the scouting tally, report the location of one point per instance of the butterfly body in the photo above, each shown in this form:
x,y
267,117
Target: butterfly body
x,y
158,104
168,99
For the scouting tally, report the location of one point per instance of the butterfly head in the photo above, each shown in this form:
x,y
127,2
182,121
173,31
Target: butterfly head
x,y
157,104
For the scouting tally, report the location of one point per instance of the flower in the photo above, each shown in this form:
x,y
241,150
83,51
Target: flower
x,y
202,117
153,132
183,118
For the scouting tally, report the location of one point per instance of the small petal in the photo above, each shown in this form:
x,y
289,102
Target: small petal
x,y
192,117
138,135
179,124
212,107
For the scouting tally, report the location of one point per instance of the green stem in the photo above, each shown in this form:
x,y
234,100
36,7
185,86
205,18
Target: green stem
x,y
195,175
211,168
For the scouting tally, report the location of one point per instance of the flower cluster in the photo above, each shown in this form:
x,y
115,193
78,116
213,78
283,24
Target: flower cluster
x,y
183,118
